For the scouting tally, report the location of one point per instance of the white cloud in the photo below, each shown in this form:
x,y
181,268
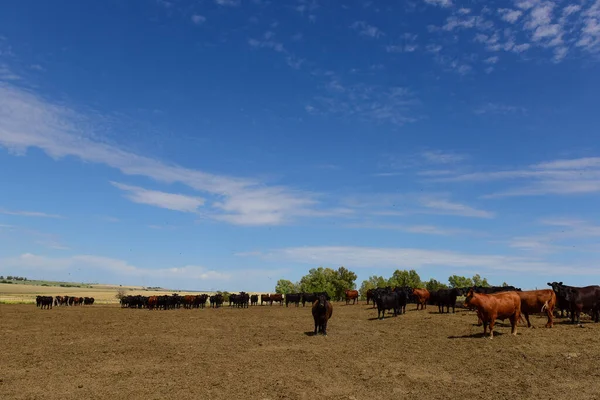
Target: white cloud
x,y
441,157
370,103
406,258
420,229
453,22
228,3
49,266
22,213
491,60
367,30
170,201
496,108
571,9
520,48
464,11
27,120
440,3
445,207
560,177
198,19
6,74
509,15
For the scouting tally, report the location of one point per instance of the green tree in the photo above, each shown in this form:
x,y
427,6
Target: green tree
x,y
319,280
433,285
456,281
344,279
285,286
371,283
405,278
477,281
504,284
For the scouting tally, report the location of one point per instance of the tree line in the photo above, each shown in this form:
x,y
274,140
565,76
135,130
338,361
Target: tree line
x,y
335,282
14,278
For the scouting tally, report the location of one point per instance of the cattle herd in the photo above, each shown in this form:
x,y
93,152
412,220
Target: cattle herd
x,y
491,303
48,301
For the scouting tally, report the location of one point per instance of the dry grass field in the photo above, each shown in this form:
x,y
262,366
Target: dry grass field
x,y
105,352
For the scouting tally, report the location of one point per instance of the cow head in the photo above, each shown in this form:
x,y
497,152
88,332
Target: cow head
x,y
322,301
469,297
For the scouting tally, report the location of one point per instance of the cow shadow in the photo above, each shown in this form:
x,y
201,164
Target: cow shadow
x,y
476,335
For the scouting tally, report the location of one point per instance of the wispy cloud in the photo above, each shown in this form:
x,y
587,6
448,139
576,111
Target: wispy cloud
x,y
27,120
497,108
442,157
440,3
393,105
381,257
198,19
228,3
561,177
419,229
367,30
22,213
445,207
44,265
509,15
170,201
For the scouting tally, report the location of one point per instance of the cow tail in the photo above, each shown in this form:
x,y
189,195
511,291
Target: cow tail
x,y
545,306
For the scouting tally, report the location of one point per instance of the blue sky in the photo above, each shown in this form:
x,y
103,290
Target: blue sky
x,y
229,143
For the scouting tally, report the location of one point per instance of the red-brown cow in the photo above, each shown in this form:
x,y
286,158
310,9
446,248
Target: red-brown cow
x,y
495,306
538,301
351,295
276,297
422,296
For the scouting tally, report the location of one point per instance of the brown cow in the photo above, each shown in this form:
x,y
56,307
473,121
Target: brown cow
x,y
276,297
422,296
538,301
351,295
265,298
490,307
152,302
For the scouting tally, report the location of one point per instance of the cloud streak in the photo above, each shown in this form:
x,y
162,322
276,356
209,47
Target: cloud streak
x,y
382,257
27,120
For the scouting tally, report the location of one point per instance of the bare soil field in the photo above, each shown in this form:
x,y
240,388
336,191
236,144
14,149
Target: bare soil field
x,y
105,352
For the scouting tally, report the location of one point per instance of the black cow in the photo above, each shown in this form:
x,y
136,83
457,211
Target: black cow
x,y
321,311
561,301
293,298
254,300
45,301
586,299
446,298
386,299
404,294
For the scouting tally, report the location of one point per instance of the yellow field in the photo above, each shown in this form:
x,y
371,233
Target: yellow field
x,y
102,294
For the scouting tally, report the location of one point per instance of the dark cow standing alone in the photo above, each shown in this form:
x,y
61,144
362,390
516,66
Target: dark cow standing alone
x,y
321,311
254,300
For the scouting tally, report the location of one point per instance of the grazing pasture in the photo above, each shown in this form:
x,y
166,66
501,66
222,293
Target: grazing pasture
x,y
108,352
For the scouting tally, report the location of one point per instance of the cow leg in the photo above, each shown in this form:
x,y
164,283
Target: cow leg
x,y
316,326
513,323
492,329
325,327
550,314
527,319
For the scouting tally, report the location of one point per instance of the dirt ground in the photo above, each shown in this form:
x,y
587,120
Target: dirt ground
x,y
105,352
